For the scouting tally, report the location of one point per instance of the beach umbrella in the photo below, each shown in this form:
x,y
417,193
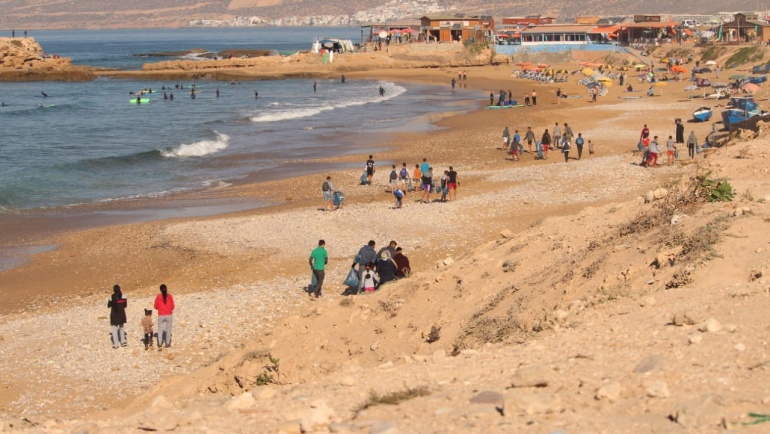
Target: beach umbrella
x,y
588,72
640,65
542,65
383,34
736,77
660,84
711,63
604,79
750,87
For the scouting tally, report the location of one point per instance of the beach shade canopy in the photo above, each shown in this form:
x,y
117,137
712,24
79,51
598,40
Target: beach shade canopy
x,y
736,77
604,79
542,65
679,69
407,30
750,87
588,72
711,63
640,65
660,83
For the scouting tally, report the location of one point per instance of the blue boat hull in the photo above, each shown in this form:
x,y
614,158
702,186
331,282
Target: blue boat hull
x,y
702,115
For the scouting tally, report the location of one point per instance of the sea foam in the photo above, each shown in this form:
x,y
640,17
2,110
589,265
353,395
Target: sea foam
x,y
198,149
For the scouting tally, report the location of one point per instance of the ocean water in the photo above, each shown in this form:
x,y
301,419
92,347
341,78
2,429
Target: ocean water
x,y
88,143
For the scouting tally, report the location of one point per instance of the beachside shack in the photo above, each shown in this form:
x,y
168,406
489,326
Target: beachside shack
x,y
457,29
646,31
745,28
406,30
557,34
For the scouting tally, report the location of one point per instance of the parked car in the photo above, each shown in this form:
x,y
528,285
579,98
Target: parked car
x,y
701,70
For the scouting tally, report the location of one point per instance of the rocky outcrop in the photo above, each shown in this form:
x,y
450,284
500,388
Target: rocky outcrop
x,y
22,59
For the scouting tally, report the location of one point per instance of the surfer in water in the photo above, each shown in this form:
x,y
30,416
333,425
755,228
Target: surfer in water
x,y
45,95
139,99
382,91
315,84
256,94
217,92
171,96
343,78
165,96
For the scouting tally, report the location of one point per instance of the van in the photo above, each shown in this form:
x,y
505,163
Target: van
x,y
688,23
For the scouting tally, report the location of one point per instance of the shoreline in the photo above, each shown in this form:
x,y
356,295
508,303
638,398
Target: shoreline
x,y
198,256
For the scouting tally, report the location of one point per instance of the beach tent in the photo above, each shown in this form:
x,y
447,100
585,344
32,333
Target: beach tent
x,y
750,87
588,72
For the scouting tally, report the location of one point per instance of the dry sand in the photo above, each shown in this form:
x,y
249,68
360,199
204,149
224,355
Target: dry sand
x,y
239,281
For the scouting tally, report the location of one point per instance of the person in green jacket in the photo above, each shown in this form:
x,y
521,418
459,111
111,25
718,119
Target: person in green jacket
x,y
318,260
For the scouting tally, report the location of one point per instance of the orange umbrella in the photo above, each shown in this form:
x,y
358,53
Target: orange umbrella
x,y
678,69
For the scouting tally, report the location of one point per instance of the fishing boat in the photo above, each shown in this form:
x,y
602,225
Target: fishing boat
x,y
740,109
702,114
757,79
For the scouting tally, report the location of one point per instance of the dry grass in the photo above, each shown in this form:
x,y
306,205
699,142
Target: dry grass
x,y
393,398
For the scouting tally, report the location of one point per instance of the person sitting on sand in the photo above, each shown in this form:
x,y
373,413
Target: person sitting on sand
x,y
403,269
650,91
630,88
385,267
371,280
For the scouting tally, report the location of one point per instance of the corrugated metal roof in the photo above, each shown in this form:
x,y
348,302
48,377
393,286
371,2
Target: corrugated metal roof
x,y
604,29
558,28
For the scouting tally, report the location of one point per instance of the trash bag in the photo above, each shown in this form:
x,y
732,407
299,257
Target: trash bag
x,y
352,279
338,198
313,282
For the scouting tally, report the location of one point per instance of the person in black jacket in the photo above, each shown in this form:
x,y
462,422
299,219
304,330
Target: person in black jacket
x,y
117,304
385,268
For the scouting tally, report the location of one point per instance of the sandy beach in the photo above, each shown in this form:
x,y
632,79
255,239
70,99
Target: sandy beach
x,y
240,277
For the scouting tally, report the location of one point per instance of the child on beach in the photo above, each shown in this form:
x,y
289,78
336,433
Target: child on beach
x,y
417,176
147,326
590,148
670,150
370,279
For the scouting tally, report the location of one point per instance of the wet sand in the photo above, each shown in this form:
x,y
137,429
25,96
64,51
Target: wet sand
x,y
101,245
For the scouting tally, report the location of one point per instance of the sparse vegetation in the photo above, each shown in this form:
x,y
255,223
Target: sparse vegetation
x,y
679,279
745,55
266,377
347,301
393,398
483,329
748,196
390,307
712,53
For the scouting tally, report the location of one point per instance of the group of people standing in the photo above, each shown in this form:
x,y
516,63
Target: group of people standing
x,y
561,139
423,179
651,148
164,304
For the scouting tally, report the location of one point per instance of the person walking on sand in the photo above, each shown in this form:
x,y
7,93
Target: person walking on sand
x,y
491,99
529,137
506,138
558,98
568,134
534,98
328,191
369,170
164,304
692,141
453,84
403,176
427,184
393,178
444,186
318,260
590,148
565,150
654,151
452,183
526,100
515,145
416,178
117,304
557,135
545,142
670,151
579,144
645,144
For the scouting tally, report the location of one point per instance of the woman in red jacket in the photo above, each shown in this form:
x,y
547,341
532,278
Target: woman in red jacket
x,y
164,304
